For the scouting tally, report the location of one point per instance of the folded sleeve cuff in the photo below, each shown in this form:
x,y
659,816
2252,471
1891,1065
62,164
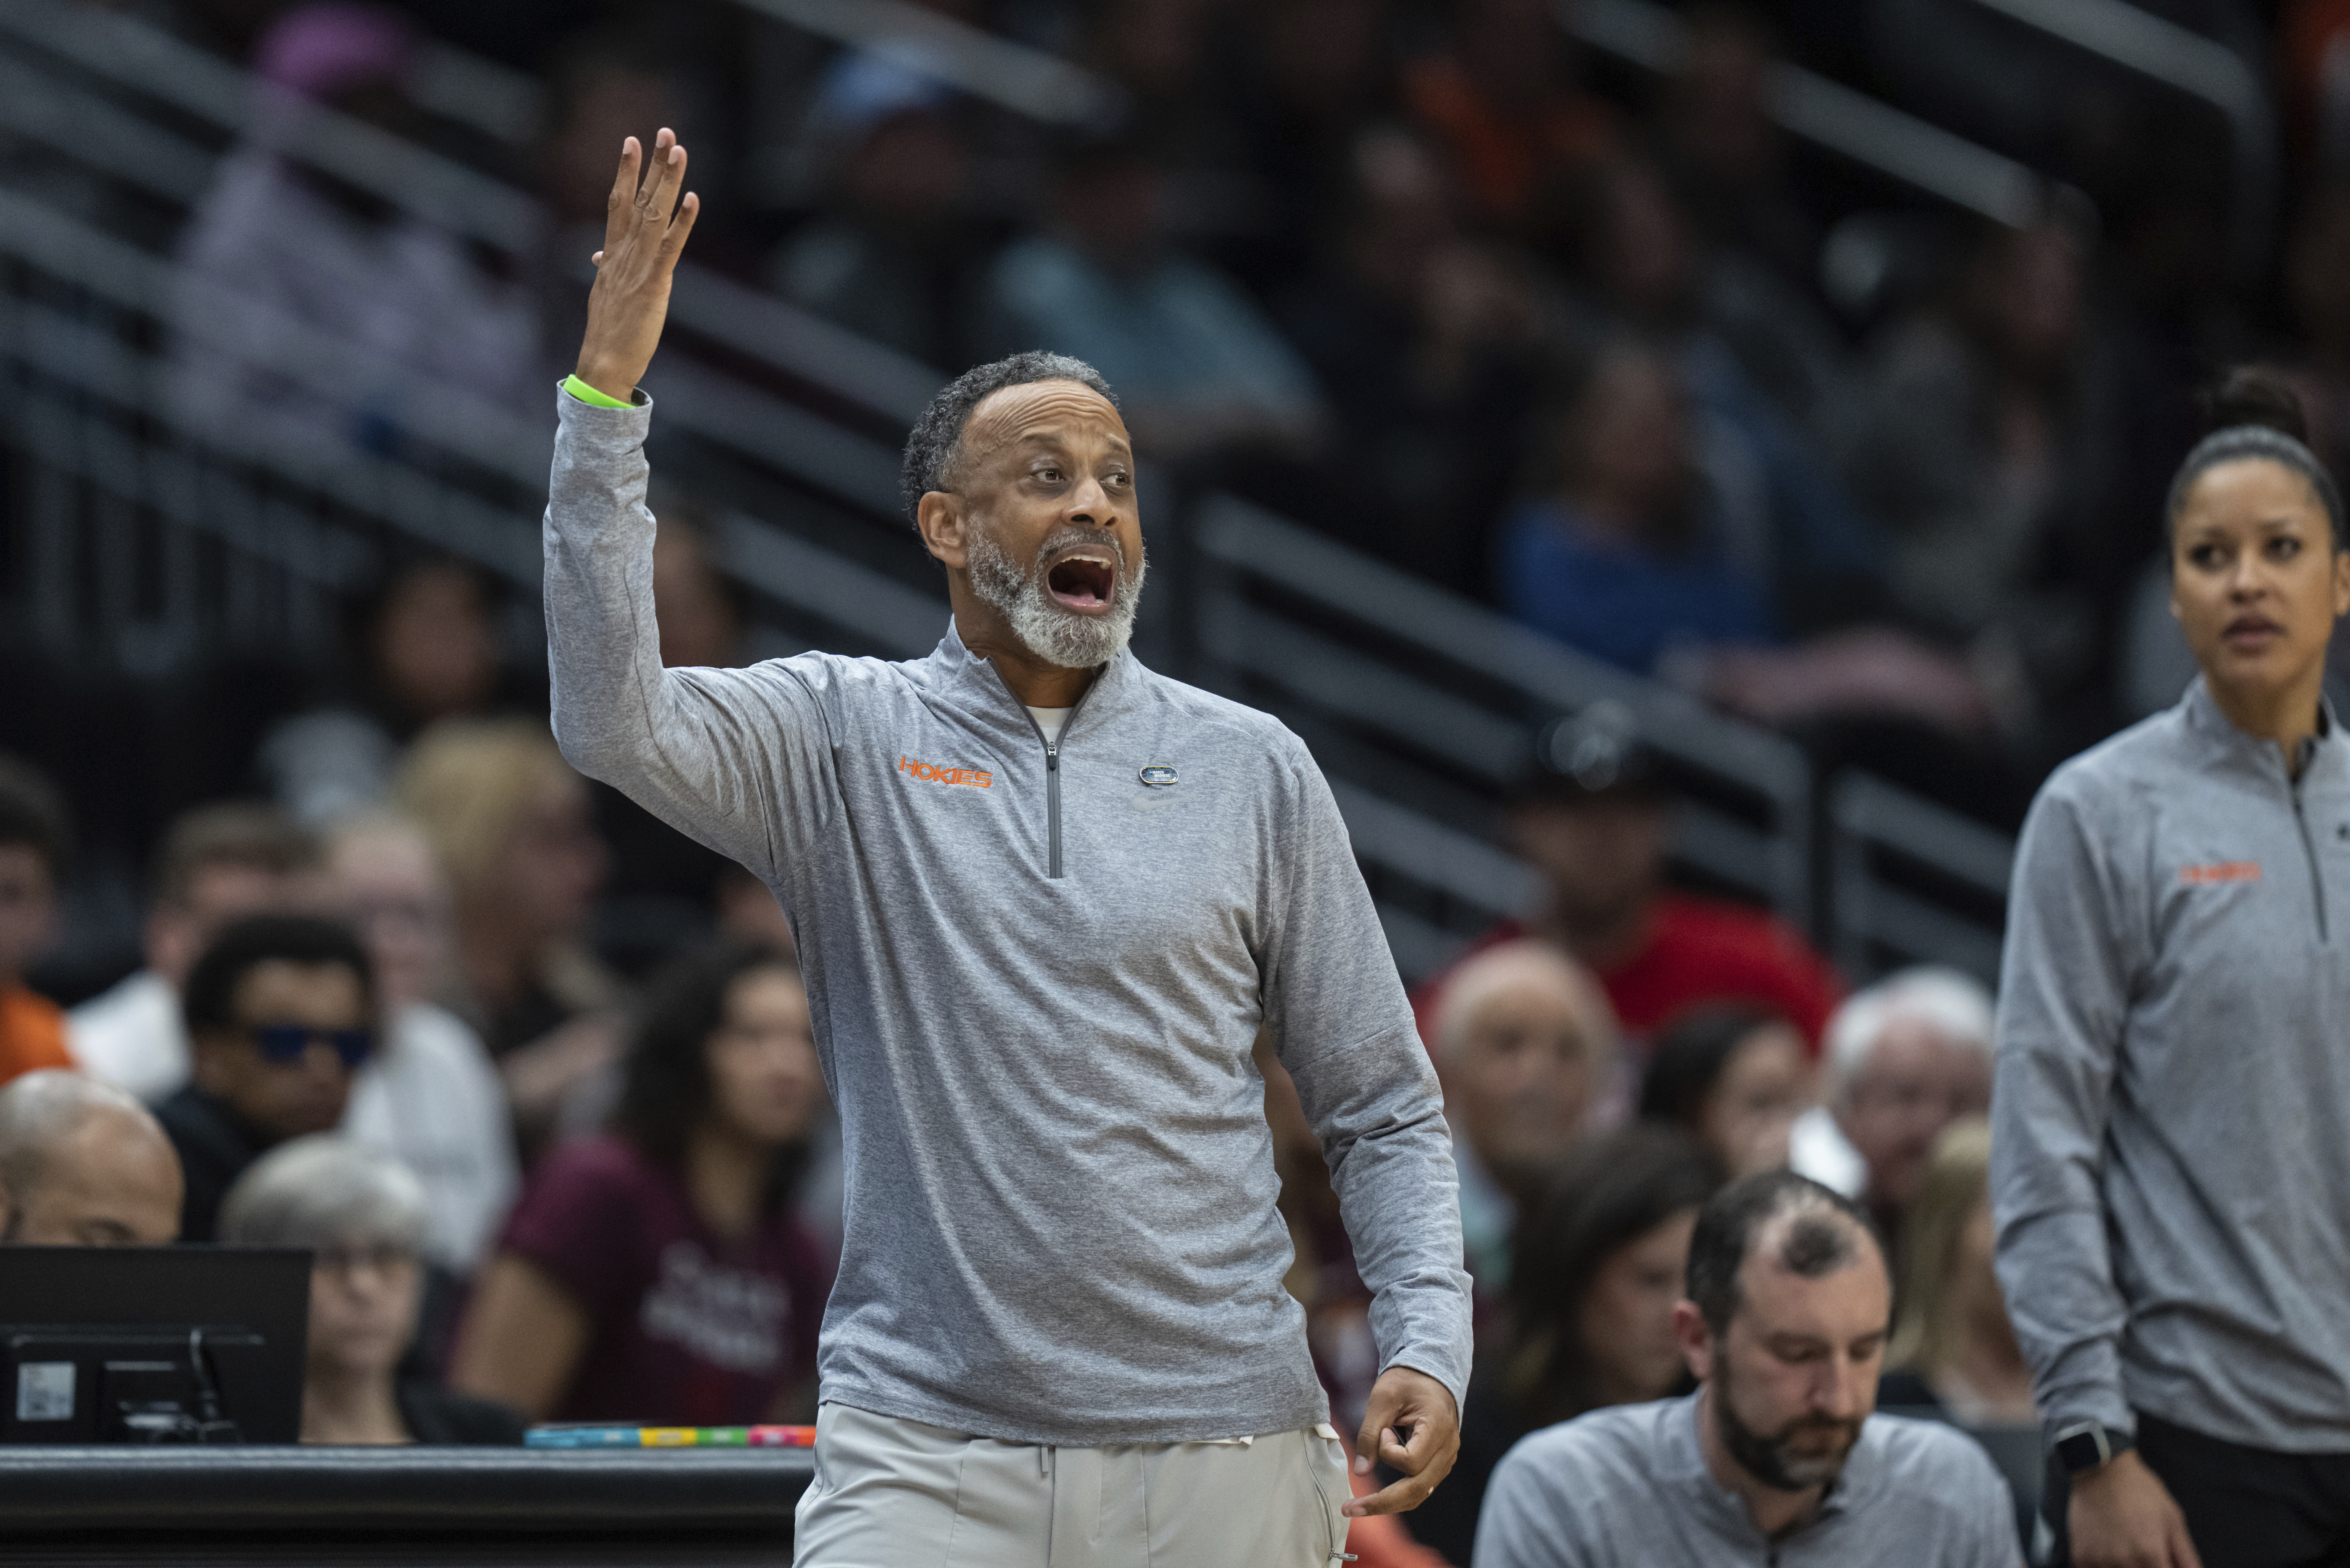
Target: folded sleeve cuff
x,y
2103,1406
1431,1361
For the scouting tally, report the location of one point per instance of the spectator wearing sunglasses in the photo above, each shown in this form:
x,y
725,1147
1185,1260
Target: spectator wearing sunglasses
x,y
281,1014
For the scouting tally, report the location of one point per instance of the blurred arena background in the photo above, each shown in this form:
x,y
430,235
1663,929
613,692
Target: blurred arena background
x,y
1890,316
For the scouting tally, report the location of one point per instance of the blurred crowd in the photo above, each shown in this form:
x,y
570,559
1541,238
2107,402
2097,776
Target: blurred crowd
x,y
534,1073
1610,351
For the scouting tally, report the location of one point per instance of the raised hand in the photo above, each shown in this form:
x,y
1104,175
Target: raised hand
x,y
645,226
1412,1404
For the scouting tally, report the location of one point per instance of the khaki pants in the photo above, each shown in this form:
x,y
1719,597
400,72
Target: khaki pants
x,y
893,1493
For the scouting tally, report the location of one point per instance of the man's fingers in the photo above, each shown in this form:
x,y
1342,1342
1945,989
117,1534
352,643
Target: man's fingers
x,y
1404,1495
1372,1440
1410,1454
642,191
673,180
2182,1545
624,182
674,241
624,190
663,180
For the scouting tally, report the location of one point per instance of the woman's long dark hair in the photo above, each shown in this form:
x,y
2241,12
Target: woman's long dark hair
x,y
1689,1057
1609,1191
666,1089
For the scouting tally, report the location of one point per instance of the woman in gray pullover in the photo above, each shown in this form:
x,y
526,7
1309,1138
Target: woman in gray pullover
x,y
2171,1153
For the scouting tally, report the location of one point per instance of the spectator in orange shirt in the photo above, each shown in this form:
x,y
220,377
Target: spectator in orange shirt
x,y
33,834
1594,818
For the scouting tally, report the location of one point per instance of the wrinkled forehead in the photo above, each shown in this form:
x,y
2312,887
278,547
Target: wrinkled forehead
x,y
1061,412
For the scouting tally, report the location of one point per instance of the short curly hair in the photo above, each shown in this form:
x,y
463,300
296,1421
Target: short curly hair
x,y
937,439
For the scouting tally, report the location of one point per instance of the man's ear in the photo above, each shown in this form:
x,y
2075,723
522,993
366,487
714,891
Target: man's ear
x,y
1695,1337
943,524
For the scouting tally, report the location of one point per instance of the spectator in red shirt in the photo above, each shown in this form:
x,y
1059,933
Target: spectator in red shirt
x,y
660,1273
1594,817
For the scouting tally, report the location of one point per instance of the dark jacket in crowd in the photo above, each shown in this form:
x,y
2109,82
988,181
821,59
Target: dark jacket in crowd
x,y
215,1144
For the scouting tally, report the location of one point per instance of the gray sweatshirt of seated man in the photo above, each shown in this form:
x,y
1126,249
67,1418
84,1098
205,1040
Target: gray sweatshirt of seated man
x,y
1036,982
1628,1485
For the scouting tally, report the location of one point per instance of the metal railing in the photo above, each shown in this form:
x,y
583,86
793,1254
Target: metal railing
x,y
1449,693
1030,82
1417,704
2189,63
1869,132
1913,881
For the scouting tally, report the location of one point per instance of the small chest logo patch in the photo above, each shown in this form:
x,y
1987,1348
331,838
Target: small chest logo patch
x,y
1159,773
975,778
2225,871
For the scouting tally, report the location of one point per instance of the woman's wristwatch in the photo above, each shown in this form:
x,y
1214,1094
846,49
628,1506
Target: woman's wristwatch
x,y
2085,1444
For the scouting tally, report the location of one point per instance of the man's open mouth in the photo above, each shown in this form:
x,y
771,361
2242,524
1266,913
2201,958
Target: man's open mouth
x,y
1083,582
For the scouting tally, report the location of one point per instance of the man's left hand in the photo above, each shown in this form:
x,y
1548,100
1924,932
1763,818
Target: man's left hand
x,y
1416,1408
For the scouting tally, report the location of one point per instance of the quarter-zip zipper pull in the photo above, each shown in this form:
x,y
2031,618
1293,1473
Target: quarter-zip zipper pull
x,y
1052,772
2309,854
1053,809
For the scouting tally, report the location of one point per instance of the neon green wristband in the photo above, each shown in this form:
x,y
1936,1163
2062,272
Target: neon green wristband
x,y
589,395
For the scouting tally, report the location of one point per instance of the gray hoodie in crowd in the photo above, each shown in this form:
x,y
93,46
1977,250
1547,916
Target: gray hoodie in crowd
x,y
1036,976
2170,1150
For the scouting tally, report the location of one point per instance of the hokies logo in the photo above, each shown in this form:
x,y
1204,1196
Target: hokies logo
x,y
932,772
2225,871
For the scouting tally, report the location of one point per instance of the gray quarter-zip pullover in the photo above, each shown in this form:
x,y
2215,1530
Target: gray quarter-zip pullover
x,y
1036,972
1627,1485
2170,1154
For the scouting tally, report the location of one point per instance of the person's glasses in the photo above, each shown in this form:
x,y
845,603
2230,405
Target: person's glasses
x,y
283,1044
382,1258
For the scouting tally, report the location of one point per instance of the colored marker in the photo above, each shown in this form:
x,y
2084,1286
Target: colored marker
x,y
591,1437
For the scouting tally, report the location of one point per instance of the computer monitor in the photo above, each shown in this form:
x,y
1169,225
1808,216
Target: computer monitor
x,y
152,1345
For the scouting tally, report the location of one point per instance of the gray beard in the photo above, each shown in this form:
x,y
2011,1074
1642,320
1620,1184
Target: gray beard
x,y
1043,627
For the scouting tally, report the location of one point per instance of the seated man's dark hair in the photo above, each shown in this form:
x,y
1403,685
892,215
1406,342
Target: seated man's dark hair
x,y
210,1000
1827,1228
934,447
33,814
